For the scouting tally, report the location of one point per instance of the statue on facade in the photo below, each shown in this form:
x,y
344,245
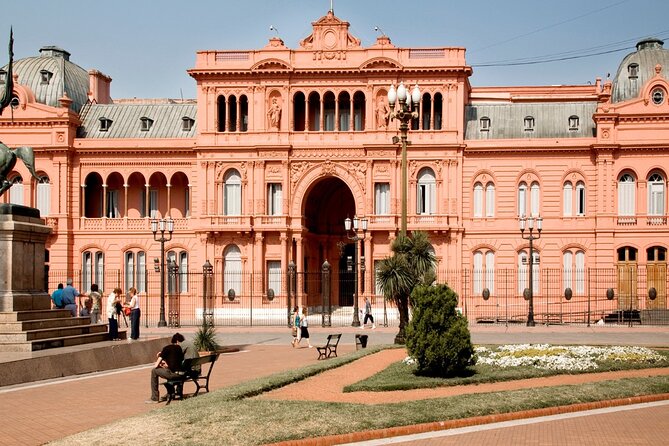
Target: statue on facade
x,y
274,114
382,113
8,159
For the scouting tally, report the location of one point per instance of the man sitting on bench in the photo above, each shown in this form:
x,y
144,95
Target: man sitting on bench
x,y
168,366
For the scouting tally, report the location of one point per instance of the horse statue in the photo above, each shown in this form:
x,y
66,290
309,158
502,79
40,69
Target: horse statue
x,y
8,161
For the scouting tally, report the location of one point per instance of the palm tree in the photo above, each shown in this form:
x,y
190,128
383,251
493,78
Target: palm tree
x,y
412,263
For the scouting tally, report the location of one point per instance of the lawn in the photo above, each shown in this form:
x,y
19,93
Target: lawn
x,y
507,363
231,417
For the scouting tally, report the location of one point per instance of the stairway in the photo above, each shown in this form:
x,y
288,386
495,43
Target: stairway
x,y
33,330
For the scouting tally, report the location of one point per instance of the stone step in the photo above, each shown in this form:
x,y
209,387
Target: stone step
x,y
27,315
39,324
56,342
48,333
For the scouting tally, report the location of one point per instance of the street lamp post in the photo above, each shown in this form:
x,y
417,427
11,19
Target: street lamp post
x,y
531,237
352,234
156,226
404,116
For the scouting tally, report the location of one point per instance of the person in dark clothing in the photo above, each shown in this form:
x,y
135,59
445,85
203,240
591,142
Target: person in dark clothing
x,y
168,365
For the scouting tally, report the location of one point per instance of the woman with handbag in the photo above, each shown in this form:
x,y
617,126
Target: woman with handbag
x,y
135,313
113,313
304,330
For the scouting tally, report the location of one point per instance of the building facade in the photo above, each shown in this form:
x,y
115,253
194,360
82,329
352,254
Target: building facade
x,y
281,145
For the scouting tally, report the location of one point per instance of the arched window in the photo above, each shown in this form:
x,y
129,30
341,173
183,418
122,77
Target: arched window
x,y
484,273
626,195
344,111
478,200
232,113
92,270
523,271
299,112
426,193
522,199
580,198
656,194
244,113
232,270
329,112
314,111
535,196
438,110
232,198
426,108
490,199
16,191
567,192
43,198
222,117
359,111
177,261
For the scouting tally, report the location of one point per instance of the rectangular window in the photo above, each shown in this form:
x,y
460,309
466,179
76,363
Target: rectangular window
x,y
478,273
566,198
86,267
16,193
183,272
478,200
274,276
112,204
129,270
100,270
140,278
274,199
382,198
580,199
153,203
490,200
490,271
233,199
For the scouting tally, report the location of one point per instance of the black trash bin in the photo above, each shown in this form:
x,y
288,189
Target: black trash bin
x,y
360,341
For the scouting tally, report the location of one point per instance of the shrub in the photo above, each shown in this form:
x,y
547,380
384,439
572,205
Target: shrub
x,y
437,336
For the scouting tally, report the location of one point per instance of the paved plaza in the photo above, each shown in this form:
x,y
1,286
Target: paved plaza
x,y
95,399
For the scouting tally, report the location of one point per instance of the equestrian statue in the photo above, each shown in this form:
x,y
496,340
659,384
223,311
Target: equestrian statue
x,y
8,156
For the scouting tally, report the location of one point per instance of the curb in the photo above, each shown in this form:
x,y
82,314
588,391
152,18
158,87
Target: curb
x,y
466,422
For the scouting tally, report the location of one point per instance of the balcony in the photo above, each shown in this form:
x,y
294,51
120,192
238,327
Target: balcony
x,y
652,221
240,223
126,224
270,222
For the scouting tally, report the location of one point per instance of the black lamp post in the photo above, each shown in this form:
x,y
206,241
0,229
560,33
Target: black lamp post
x,y
404,116
352,234
207,276
156,226
531,237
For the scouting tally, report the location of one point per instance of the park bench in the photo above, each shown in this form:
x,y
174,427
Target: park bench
x,y
329,349
193,370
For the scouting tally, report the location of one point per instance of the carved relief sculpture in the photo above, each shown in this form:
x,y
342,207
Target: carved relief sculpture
x,y
382,113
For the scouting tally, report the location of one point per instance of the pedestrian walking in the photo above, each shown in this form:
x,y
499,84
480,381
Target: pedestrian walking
x,y
304,328
295,323
368,314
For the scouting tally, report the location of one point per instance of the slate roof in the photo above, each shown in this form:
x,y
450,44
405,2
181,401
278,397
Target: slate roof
x,y
649,53
551,120
126,120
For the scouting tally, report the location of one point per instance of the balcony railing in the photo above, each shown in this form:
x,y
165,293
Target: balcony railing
x,y
126,224
642,220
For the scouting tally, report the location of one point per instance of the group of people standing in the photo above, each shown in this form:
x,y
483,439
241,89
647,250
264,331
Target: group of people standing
x,y
90,305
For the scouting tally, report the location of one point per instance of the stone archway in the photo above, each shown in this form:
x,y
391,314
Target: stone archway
x,y
326,203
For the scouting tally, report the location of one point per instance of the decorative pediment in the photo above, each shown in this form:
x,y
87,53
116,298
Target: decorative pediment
x,y
380,63
271,65
330,34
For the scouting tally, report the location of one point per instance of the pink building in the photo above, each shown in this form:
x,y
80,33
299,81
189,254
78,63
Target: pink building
x,y
282,144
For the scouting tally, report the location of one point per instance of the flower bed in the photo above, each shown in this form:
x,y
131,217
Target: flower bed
x,y
564,358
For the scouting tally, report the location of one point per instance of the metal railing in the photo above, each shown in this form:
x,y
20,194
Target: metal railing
x,y
627,294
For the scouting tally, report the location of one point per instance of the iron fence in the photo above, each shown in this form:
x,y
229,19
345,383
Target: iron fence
x,y
622,295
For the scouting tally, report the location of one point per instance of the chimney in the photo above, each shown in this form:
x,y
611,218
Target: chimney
x,y
99,91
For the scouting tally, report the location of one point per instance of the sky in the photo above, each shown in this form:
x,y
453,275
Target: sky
x,y
147,46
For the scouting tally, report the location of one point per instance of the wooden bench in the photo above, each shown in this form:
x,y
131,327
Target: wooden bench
x,y
329,349
193,371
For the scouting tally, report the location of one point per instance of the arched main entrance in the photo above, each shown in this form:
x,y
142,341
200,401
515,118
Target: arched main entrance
x,y
327,203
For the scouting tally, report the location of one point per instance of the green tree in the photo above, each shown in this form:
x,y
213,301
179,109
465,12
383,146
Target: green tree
x,y
411,264
438,336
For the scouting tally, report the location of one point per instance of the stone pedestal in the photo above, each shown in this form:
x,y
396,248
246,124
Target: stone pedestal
x,y
22,238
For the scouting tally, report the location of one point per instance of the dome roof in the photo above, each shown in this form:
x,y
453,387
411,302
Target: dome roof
x,y
637,67
50,74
